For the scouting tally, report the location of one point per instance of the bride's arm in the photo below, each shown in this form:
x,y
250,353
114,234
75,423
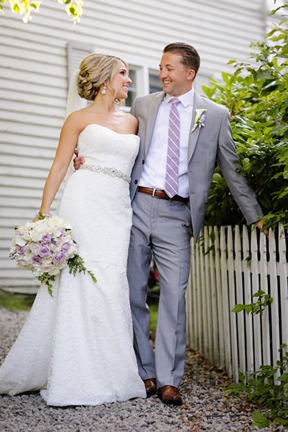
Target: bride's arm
x,y
67,144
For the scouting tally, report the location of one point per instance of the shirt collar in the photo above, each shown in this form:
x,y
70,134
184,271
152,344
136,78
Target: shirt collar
x,y
186,98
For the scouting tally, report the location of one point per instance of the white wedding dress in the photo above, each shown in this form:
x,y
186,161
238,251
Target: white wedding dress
x,y
77,347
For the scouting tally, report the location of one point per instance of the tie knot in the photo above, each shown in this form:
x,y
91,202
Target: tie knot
x,y
174,101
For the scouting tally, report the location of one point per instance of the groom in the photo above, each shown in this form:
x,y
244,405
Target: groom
x,y
182,136
166,206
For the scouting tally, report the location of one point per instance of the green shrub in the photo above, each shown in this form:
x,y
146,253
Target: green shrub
x,y
256,96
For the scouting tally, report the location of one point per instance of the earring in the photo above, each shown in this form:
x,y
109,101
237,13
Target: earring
x,y
104,89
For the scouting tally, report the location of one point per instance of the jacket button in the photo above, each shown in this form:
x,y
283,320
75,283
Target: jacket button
x,y
136,181
143,161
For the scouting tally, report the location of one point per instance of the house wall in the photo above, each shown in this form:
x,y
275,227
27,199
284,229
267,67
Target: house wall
x,y
34,77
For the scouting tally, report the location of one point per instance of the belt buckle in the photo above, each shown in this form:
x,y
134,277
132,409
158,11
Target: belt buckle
x,y
153,193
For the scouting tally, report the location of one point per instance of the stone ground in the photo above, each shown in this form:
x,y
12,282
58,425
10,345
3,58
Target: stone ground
x,y
205,407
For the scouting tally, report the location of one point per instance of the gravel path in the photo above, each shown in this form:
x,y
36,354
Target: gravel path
x,y
205,407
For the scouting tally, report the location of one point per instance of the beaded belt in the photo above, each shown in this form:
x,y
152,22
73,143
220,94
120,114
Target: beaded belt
x,y
113,172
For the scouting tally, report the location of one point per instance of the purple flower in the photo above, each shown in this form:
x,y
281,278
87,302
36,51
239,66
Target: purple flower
x,y
20,250
65,247
44,250
46,239
62,232
36,260
58,256
202,120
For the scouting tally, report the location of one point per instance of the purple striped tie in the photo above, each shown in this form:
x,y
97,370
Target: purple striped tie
x,y
172,164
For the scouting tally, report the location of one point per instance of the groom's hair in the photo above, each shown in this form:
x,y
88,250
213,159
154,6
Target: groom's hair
x,y
190,57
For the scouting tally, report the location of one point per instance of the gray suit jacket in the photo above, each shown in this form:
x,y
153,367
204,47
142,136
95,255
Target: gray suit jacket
x,y
211,143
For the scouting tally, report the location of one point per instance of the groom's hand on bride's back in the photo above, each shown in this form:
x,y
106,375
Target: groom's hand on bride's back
x,y
78,161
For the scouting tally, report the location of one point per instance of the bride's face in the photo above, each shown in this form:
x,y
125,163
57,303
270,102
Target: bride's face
x,y
121,82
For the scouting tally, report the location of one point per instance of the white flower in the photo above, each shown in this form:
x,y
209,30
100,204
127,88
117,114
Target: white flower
x,y
18,240
199,119
40,228
59,223
34,247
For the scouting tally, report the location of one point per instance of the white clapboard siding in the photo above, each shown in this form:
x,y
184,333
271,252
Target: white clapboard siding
x,y
20,192
31,151
26,140
57,83
22,161
12,107
33,119
248,262
31,101
35,63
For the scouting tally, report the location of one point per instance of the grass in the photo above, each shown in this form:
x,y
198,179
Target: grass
x,y
14,301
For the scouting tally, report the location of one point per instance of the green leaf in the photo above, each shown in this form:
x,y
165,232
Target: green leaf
x,y
217,177
77,264
238,308
71,9
16,8
246,163
208,91
259,293
92,276
260,420
226,77
264,74
283,378
241,377
249,308
212,236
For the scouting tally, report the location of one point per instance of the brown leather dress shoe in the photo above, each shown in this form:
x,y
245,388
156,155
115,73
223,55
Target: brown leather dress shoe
x,y
150,385
170,395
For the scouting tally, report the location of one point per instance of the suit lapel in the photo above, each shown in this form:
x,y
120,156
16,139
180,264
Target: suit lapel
x,y
151,118
193,137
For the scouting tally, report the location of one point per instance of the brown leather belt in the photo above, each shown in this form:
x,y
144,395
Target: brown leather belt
x,y
160,194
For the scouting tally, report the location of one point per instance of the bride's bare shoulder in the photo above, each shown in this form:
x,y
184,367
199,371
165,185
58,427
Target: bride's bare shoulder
x,y
131,121
77,119
77,115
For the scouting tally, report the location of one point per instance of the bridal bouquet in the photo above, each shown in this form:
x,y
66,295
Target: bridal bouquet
x,y
45,247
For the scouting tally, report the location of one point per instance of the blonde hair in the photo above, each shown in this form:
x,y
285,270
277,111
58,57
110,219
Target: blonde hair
x,y
95,69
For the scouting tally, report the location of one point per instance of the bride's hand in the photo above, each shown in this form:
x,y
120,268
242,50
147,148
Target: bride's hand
x,y
40,216
78,161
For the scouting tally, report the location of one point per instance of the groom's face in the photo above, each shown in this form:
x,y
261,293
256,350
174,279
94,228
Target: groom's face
x,y
175,77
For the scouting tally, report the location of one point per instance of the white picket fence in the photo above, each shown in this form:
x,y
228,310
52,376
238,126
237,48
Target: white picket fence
x,y
222,278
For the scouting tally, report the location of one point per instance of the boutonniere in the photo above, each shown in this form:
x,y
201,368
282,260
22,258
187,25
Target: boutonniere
x,y
199,119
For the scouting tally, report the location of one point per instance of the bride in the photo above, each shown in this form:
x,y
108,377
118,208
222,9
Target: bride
x,y
77,346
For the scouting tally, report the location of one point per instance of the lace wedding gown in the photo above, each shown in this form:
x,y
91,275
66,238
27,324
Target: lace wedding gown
x,y
77,347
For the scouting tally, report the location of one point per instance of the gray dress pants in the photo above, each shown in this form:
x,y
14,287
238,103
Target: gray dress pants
x,y
164,228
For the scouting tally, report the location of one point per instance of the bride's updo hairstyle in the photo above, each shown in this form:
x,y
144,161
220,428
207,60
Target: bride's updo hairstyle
x,y
95,69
